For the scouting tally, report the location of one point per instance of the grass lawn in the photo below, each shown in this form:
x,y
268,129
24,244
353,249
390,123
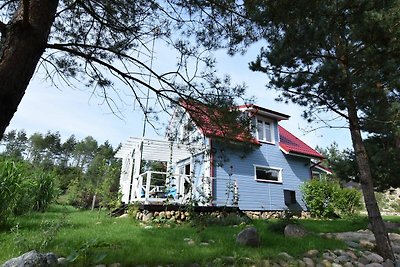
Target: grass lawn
x,y
89,237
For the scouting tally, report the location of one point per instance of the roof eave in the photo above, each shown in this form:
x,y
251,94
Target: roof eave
x,y
264,112
300,154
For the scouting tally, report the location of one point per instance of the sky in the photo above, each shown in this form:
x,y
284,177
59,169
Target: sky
x,y
68,110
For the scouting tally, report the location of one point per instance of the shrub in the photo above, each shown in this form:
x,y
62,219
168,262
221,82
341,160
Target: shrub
x,y
10,179
348,201
319,197
44,190
23,188
326,198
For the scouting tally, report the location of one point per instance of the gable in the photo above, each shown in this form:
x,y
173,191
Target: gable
x,y
211,123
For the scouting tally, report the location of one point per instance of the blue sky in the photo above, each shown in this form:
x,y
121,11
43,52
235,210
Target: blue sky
x,y
76,111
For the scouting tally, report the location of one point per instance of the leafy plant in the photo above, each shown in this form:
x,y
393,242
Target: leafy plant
x,y
86,255
10,188
325,198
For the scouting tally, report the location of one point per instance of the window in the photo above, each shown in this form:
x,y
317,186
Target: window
x,y
265,131
290,197
268,174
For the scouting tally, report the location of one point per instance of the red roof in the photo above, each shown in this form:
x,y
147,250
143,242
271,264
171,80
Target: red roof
x,y
214,122
292,144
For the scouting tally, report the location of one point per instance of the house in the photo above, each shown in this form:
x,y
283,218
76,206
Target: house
x,y
214,162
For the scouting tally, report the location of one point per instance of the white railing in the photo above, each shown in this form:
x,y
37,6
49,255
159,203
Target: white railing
x,y
153,187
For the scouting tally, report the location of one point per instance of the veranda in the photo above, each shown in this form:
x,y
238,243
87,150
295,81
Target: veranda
x,y
171,187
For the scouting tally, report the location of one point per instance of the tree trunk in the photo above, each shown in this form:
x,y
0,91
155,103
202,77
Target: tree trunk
x,y
383,244
23,41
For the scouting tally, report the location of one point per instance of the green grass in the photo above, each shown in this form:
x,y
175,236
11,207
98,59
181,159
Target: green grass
x,y
93,237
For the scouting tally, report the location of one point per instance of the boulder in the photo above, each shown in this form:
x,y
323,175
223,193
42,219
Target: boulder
x,y
294,230
32,259
249,237
147,217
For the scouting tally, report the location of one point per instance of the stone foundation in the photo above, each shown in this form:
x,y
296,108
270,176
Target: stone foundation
x,y
181,216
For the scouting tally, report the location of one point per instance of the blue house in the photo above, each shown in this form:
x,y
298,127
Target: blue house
x,y
209,163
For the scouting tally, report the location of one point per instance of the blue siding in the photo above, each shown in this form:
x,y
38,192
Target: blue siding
x,y
231,166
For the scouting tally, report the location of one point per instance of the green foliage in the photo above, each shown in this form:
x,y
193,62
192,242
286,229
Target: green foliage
x,y
23,188
348,201
81,169
10,189
326,198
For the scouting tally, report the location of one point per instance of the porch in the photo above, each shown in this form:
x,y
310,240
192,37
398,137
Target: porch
x,y
153,187
175,186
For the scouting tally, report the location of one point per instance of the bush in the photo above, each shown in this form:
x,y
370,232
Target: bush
x,y
10,179
23,188
326,199
348,201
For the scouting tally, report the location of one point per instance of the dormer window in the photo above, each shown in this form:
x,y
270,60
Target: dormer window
x,y
265,130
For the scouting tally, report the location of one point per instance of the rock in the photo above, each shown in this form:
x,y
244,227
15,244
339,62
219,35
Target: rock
x,y
374,264
147,217
388,263
311,253
342,259
249,237
395,237
348,264
204,244
358,264
294,230
309,262
191,243
116,264
285,256
396,249
51,259
168,214
100,265
352,244
62,261
329,256
148,227
363,260
32,259
366,244
373,257
351,254
326,263
334,264
301,263
125,215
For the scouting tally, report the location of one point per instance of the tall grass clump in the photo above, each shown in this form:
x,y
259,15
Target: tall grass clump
x,y
325,198
10,189
23,188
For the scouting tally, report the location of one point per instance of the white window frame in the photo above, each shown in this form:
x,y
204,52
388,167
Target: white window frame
x,y
280,170
271,132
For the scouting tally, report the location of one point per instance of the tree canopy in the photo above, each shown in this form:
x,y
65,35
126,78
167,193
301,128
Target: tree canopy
x,y
106,45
